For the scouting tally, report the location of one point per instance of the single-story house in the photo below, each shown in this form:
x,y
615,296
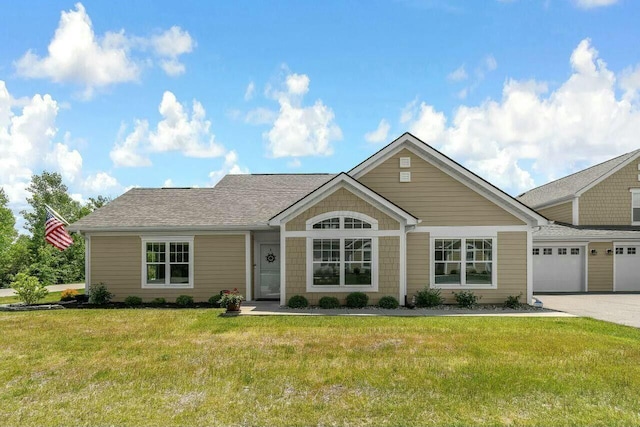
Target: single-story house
x,y
594,243
406,218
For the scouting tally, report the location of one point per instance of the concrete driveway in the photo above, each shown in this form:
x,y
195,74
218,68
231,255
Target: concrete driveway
x,y
623,309
7,292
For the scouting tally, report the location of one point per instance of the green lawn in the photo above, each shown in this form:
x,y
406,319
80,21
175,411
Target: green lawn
x,y
192,367
51,297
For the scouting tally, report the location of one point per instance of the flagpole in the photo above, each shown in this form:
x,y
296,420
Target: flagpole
x,y
60,217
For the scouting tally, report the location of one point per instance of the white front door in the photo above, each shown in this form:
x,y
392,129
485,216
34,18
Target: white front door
x,y
269,271
627,270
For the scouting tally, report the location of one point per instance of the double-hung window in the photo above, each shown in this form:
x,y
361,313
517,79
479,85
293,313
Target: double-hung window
x,y
167,262
635,206
464,262
342,252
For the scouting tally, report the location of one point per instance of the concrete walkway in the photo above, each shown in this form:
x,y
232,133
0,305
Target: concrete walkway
x,y
271,308
623,309
7,292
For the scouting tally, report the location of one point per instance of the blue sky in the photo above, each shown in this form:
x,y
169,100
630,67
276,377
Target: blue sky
x,y
120,94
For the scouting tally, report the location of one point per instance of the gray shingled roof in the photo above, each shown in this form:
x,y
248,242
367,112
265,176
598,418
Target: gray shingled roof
x,y
236,201
560,232
567,187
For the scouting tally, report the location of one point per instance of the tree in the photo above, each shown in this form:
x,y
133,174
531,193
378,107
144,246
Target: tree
x,y
8,235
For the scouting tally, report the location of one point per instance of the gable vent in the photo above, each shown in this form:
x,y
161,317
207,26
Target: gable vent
x,y
405,176
405,162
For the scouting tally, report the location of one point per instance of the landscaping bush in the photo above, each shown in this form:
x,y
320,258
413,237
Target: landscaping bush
x,y
513,301
466,299
215,300
429,298
28,288
329,302
357,300
388,302
184,300
68,295
298,301
99,294
133,301
158,301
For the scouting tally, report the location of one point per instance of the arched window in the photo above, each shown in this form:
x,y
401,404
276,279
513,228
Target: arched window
x,y
342,252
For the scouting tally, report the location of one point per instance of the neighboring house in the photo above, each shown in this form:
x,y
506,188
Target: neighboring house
x,y
405,218
594,244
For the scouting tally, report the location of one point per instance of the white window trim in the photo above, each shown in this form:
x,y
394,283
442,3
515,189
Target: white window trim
x,y
341,214
635,192
342,234
463,256
166,240
342,287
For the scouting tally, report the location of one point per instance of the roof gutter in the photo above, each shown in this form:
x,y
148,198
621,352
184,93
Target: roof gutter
x,y
166,229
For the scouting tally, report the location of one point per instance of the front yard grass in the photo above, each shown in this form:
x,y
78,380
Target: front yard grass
x,y
192,367
51,297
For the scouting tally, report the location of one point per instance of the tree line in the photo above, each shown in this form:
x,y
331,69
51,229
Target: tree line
x,y
30,253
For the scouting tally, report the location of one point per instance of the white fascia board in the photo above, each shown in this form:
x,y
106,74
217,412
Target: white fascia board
x,y
451,168
178,229
343,181
606,175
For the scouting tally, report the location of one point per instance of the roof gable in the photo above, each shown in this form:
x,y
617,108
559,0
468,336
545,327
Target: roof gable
x,y
452,169
576,184
343,180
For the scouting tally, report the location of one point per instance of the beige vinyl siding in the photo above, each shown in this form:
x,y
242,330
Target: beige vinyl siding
x,y
512,271
600,267
417,262
609,202
433,196
219,263
562,212
388,271
342,200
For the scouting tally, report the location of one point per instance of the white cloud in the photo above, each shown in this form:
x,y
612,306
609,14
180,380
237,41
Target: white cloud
x,y
630,82
294,164
261,116
100,183
169,46
580,123
301,131
380,134
590,4
77,55
490,63
458,74
248,93
230,166
168,183
179,130
68,162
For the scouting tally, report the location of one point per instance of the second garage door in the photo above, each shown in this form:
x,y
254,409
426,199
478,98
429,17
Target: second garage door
x,y
558,269
627,267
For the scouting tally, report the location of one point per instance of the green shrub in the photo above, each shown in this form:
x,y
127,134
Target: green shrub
x,y
513,301
68,295
298,301
184,300
215,300
329,302
428,297
158,301
388,302
133,301
466,299
99,294
28,288
357,300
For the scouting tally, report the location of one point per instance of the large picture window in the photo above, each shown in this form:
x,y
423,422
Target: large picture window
x,y
167,262
464,262
635,206
342,252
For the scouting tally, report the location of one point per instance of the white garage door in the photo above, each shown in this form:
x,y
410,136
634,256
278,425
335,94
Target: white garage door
x,y
558,268
627,267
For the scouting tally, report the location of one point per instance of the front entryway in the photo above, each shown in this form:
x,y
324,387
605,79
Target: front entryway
x,y
268,271
627,267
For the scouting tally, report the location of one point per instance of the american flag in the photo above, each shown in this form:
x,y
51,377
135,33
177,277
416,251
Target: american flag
x,y
55,233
